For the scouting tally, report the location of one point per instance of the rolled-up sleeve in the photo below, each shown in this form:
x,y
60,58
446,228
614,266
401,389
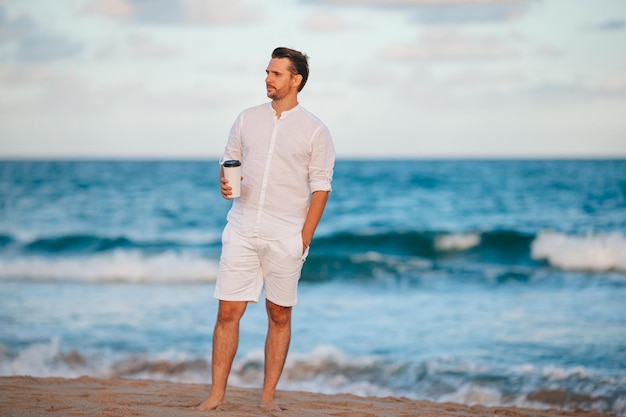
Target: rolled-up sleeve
x,y
233,149
322,161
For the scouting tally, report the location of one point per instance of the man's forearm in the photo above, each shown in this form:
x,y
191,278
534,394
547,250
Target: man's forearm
x,y
316,209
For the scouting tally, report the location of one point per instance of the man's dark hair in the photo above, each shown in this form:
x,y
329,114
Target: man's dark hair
x,y
298,63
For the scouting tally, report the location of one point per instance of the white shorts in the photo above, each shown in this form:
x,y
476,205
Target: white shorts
x,y
248,263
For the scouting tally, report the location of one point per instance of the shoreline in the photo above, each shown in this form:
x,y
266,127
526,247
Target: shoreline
x,y
25,396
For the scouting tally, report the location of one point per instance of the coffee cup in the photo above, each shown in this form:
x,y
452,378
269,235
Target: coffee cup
x,y
232,172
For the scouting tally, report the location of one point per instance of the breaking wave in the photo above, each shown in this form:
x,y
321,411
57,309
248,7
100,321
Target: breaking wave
x,y
93,258
328,370
116,266
592,252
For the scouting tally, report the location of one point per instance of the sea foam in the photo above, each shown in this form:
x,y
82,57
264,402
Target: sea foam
x,y
116,266
592,252
329,370
457,242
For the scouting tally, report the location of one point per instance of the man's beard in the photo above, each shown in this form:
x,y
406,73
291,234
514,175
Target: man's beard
x,y
274,93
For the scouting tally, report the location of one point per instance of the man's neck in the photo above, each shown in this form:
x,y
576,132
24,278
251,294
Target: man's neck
x,y
285,104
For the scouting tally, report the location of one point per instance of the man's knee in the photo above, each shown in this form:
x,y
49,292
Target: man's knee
x,y
230,311
278,315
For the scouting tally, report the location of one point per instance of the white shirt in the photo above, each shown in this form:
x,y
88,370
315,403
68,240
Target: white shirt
x,y
282,162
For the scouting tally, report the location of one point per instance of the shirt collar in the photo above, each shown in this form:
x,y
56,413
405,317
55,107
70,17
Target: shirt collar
x,y
286,113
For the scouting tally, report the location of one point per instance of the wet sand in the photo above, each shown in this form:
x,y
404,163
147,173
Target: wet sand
x,y
22,396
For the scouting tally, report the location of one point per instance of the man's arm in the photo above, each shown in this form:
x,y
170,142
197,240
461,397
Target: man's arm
x,y
316,209
224,187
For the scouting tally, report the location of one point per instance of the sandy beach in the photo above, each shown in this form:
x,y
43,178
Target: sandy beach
x,y
22,396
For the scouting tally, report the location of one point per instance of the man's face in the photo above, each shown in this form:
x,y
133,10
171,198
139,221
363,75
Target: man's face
x,y
279,81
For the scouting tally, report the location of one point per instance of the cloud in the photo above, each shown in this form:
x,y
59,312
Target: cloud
x,y
448,11
547,50
325,22
157,11
468,88
14,29
613,85
463,12
41,89
138,46
16,75
409,3
38,87
32,44
449,44
508,78
111,8
44,47
220,12
202,12
611,25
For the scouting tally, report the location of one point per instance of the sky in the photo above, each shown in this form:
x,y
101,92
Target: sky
x,y
390,78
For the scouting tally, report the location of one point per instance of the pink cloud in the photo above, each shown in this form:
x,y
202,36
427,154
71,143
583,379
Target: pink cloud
x,y
449,44
202,12
110,8
325,22
447,11
219,12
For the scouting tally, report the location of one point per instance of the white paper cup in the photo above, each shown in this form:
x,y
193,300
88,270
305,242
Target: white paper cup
x,y
232,172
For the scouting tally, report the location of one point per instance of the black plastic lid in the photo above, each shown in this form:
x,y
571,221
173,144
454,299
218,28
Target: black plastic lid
x,y
232,163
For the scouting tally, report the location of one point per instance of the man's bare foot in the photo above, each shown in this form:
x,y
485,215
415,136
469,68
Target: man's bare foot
x,y
210,404
270,406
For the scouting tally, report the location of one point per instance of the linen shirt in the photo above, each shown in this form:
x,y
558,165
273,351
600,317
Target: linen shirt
x,y
283,161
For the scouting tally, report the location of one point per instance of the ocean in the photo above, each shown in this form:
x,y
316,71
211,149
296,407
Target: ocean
x,y
495,282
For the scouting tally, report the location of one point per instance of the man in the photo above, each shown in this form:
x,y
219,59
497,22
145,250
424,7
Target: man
x,y
287,159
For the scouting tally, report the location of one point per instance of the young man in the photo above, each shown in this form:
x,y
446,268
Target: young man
x,y
287,158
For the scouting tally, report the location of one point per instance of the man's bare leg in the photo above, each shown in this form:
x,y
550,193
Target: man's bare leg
x,y
225,341
276,348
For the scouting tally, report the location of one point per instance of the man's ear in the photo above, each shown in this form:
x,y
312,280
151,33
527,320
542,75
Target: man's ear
x,y
297,79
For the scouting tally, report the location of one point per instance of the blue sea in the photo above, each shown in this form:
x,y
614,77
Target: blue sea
x,y
496,282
